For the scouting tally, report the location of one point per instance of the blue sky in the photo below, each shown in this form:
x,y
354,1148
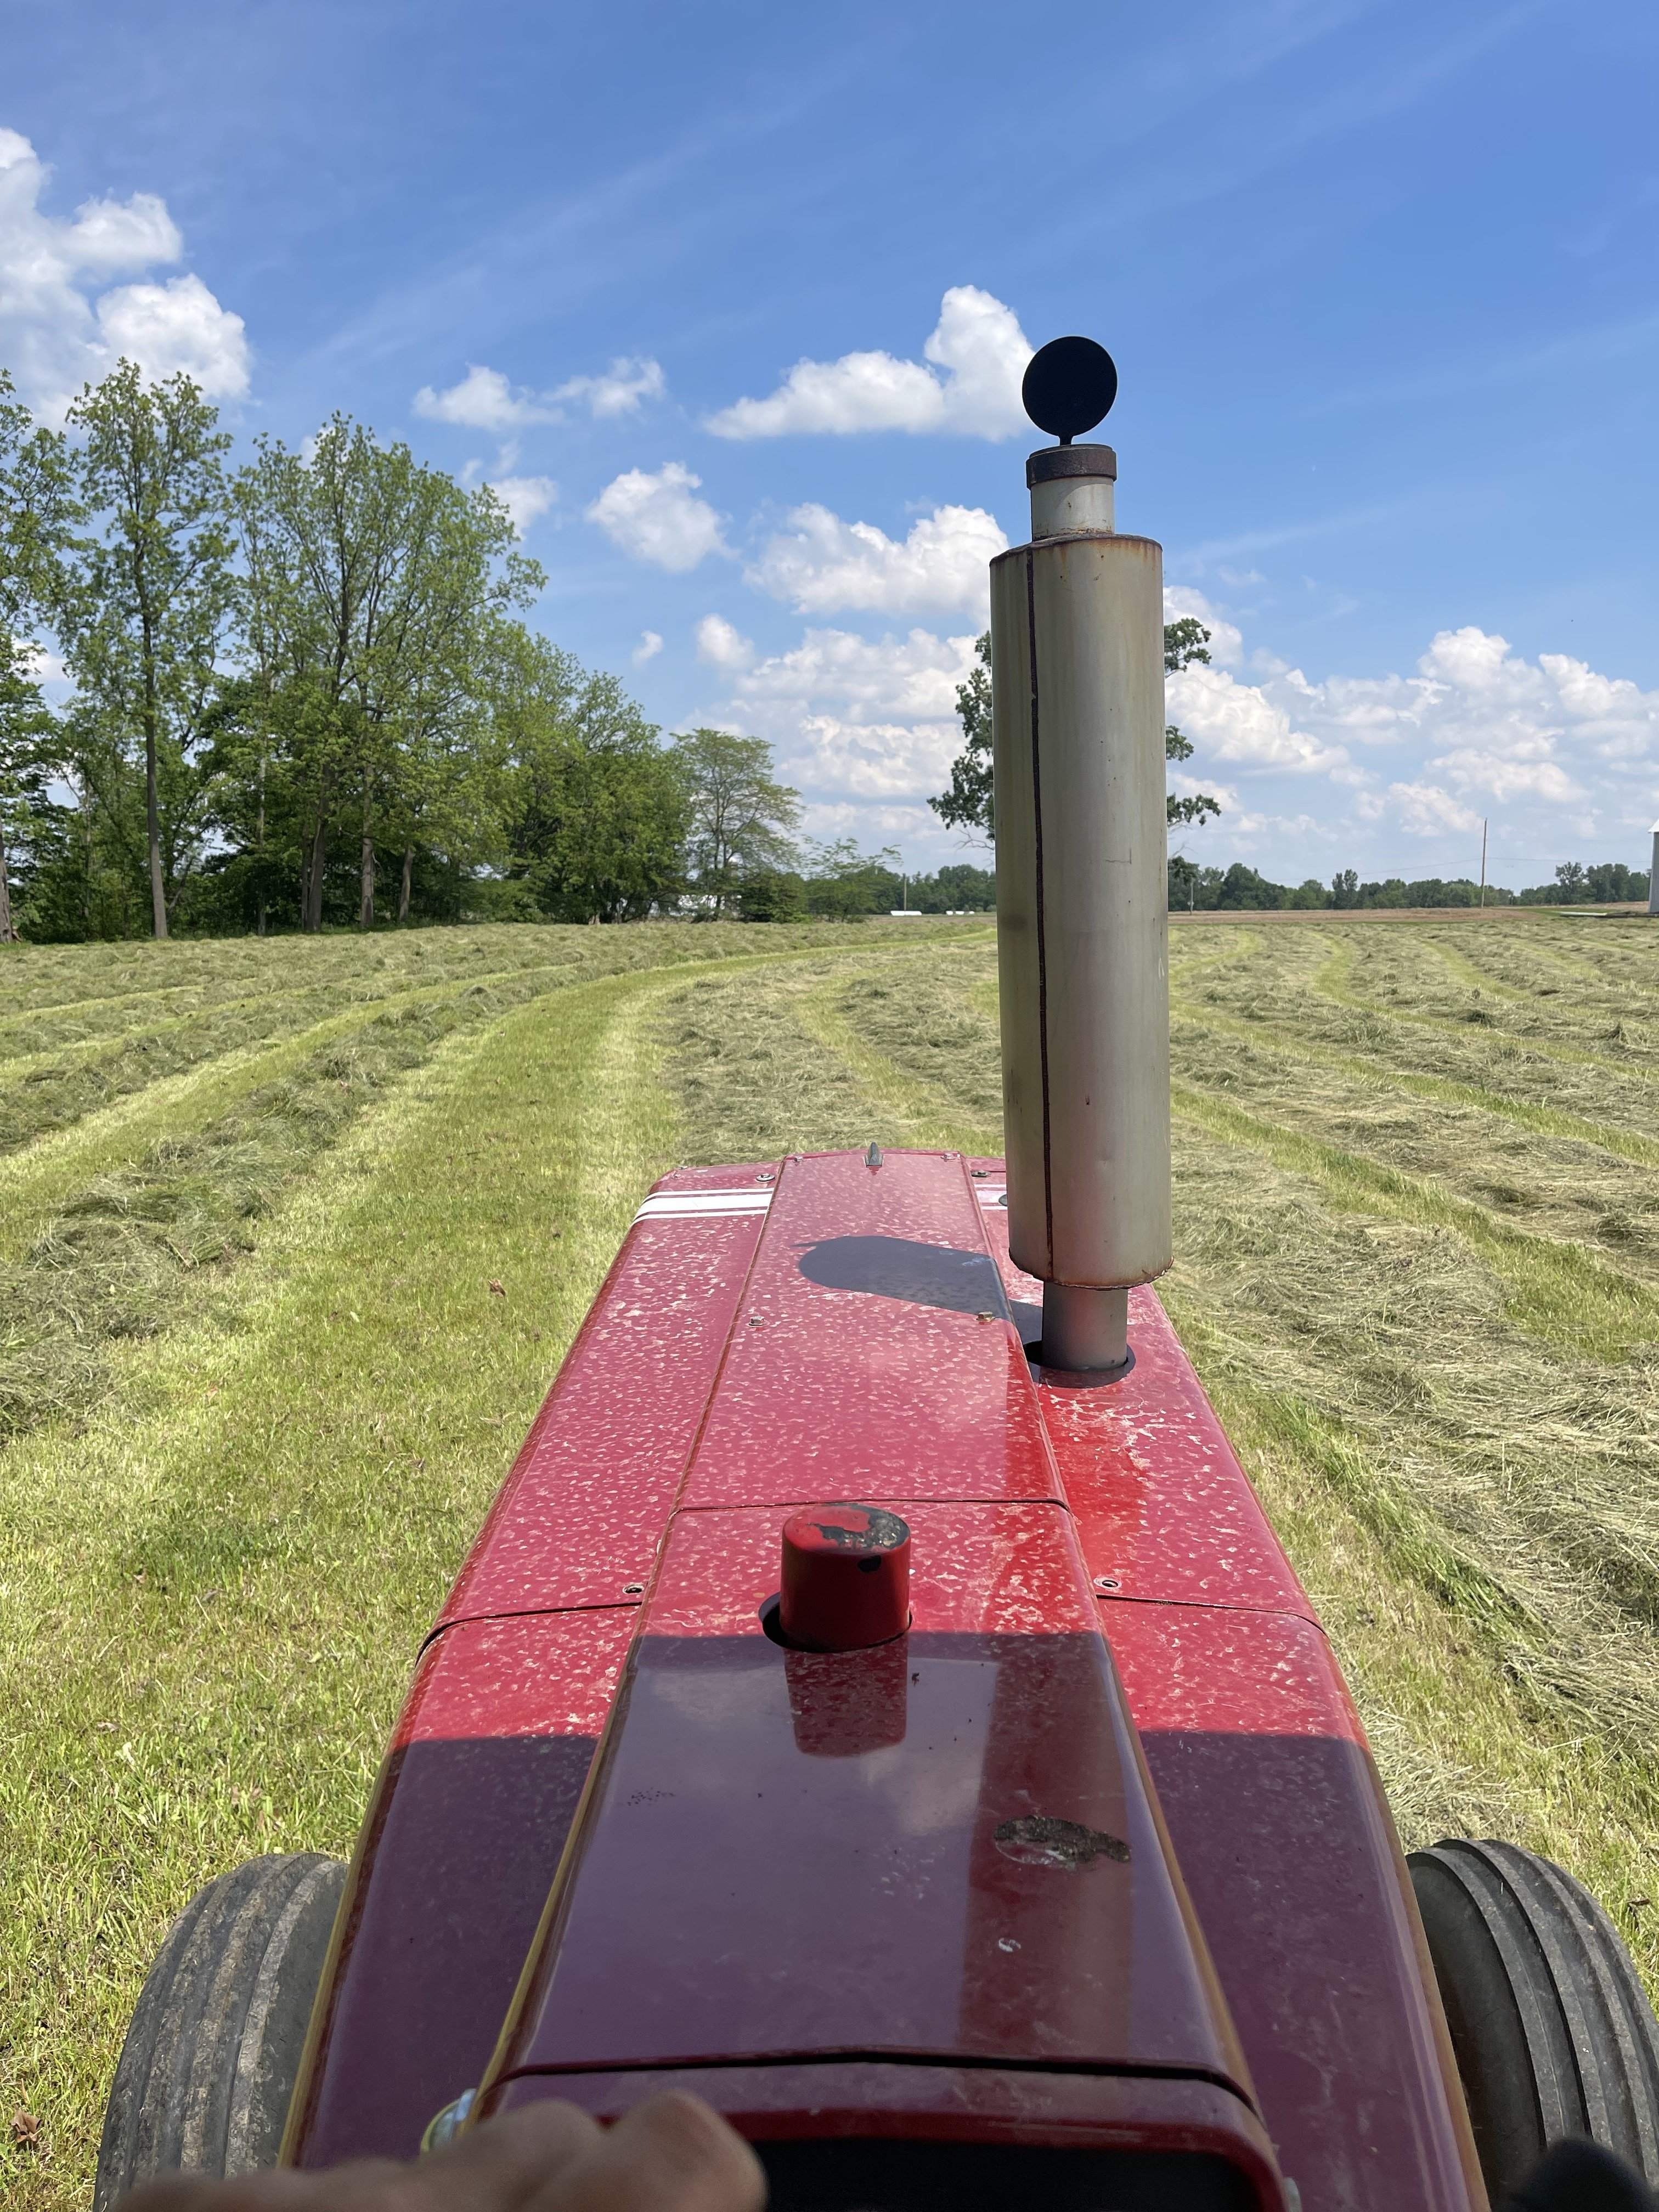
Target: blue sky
x,y
1380,280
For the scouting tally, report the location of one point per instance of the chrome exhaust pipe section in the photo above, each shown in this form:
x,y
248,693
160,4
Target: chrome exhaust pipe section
x,y
1077,658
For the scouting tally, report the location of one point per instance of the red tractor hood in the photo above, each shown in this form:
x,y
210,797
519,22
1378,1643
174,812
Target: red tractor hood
x,y
921,1893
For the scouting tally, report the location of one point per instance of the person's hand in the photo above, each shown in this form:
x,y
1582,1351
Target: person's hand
x,y
672,2155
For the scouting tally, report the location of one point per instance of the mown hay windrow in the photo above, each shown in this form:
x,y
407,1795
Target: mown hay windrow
x,y
128,1251
1413,1312
1422,1290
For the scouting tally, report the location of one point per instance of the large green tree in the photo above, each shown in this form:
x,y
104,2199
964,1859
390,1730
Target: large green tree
x,y
595,810
743,819
144,598
373,586
34,505
969,804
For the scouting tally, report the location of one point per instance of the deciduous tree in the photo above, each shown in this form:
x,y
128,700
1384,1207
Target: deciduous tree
x,y
372,583
742,817
969,804
145,596
596,811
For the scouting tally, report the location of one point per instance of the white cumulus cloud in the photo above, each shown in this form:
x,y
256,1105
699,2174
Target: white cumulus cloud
x,y
1226,641
720,644
1426,811
649,647
820,564
1555,755
485,400
108,236
176,325
619,391
968,383
657,517
57,337
525,498
1244,725
852,718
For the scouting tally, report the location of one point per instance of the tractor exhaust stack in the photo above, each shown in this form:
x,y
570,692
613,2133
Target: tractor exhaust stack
x,y
1077,656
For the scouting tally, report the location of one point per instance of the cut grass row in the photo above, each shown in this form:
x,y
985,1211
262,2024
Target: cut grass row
x,y
1452,1422
216,1564
98,1219
214,1580
1525,1113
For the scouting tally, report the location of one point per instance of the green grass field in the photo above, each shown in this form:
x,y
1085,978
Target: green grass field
x,y
293,1236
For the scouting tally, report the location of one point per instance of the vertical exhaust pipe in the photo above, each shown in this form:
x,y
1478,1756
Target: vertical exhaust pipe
x,y
1077,669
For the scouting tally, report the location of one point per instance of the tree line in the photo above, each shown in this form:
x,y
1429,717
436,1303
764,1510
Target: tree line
x,y
301,694
1210,889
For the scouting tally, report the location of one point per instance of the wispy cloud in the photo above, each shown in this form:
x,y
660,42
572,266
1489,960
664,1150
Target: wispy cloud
x,y
485,400
1575,350
601,236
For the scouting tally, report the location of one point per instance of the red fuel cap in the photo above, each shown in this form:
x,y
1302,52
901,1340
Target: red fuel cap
x,y
846,1577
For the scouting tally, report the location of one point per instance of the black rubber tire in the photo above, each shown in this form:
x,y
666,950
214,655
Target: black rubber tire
x,y
1554,2035
211,2056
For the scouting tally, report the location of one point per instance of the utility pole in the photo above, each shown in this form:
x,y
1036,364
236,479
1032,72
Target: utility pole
x,y
1482,861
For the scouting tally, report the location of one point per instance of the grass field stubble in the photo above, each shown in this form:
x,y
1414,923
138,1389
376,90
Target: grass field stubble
x,y
1467,1497
247,1548
212,1587
1463,1497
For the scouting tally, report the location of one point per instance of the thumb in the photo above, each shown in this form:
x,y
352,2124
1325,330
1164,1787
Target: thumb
x,y
673,2153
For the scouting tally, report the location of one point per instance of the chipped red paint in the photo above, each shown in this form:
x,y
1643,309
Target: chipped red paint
x,y
1300,1889
579,1519
843,1578
862,1347
989,1880
1163,1506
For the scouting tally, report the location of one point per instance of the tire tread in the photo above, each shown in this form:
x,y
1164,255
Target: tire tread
x,y
204,2075
1573,2014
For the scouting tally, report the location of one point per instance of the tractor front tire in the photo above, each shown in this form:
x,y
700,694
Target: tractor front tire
x,y
1554,2033
211,2058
